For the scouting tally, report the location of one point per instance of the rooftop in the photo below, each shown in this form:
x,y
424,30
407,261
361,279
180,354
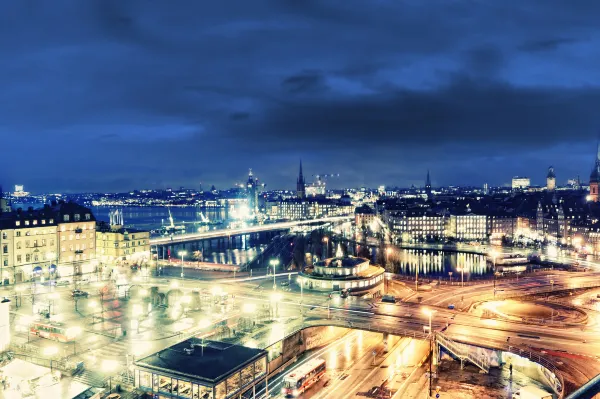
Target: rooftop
x,y
217,361
349,261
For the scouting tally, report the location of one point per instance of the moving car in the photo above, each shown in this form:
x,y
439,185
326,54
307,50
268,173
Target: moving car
x,y
79,294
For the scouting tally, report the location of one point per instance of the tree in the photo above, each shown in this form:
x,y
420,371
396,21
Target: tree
x,y
198,256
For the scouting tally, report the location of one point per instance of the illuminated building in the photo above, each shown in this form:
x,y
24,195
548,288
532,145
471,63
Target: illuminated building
x,y
364,216
551,179
19,191
199,368
307,208
300,184
115,244
467,227
520,183
28,240
76,238
595,177
252,193
350,273
417,224
317,188
501,224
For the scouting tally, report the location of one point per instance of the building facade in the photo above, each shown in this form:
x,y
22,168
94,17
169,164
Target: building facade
x,y
356,275
468,227
117,245
28,242
520,183
76,227
550,179
417,224
307,208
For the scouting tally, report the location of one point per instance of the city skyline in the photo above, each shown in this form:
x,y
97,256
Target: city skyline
x,y
155,96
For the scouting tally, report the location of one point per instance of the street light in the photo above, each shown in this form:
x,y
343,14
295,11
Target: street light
x,y
182,254
430,313
50,351
494,254
276,297
274,263
462,276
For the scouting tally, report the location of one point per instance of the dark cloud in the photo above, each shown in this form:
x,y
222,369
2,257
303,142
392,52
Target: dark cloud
x,y
546,44
305,82
144,93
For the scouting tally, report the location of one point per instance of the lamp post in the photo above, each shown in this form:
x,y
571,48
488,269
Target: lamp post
x,y
276,297
182,254
462,276
494,255
274,263
430,313
50,351
109,366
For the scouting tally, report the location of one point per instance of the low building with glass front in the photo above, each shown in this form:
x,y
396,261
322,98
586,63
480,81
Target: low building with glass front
x,y
201,369
357,275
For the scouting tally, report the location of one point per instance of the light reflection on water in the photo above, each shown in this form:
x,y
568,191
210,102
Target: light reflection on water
x,y
439,263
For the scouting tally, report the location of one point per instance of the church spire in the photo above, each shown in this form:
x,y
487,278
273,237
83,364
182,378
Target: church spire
x,y
428,185
300,184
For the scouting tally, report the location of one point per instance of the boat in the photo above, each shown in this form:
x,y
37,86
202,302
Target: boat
x,y
171,228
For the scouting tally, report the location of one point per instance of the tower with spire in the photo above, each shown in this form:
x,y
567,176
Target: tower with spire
x,y
595,177
300,184
428,185
550,179
252,192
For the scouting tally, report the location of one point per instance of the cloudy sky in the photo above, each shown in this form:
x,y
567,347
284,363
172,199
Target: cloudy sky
x,y
106,95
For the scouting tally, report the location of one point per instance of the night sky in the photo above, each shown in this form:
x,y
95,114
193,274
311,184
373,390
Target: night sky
x,y
107,95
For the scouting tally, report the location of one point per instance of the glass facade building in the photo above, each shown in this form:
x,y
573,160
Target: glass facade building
x,y
193,369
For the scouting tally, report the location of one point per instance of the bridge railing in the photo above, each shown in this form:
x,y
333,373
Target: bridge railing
x,y
538,358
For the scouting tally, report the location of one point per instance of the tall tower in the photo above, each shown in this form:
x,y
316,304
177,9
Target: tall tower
x,y
428,185
595,177
300,184
252,193
550,179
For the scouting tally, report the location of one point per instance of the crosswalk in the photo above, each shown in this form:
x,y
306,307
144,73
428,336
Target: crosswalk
x,y
116,350
90,377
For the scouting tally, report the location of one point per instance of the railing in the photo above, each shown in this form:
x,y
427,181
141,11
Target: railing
x,y
463,352
542,361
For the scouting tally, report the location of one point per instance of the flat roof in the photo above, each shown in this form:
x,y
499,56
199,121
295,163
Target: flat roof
x,y
218,360
348,261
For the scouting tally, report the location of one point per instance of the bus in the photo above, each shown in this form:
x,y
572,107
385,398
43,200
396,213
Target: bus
x,y
54,331
303,377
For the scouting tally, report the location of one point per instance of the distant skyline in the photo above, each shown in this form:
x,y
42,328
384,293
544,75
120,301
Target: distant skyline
x,y
108,96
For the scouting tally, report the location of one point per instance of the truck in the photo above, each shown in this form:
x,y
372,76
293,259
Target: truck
x,y
531,392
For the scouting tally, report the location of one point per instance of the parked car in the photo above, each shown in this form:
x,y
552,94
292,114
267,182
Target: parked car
x,y
79,294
